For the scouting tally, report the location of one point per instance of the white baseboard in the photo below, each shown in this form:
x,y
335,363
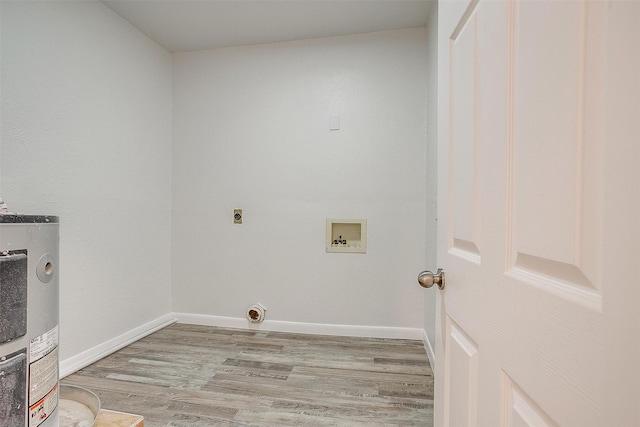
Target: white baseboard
x,y
79,361
302,328
429,349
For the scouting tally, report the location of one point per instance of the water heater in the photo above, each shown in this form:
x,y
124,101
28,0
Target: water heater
x,y
29,320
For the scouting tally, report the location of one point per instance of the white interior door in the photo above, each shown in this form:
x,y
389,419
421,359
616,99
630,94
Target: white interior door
x,y
539,213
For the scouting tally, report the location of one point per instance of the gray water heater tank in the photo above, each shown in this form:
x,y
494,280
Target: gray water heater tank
x,y
29,377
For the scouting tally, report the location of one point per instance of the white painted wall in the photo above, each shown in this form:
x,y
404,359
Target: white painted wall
x,y
86,135
432,176
251,131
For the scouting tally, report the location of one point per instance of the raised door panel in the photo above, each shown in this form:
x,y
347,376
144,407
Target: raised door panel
x,y
464,173
519,410
556,146
462,377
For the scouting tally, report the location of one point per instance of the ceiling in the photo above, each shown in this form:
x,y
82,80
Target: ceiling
x,y
192,25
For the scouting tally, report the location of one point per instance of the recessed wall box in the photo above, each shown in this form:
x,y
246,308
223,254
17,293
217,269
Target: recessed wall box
x,y
347,235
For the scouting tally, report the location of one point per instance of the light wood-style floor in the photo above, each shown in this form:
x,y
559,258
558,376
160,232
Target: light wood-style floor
x,y
189,375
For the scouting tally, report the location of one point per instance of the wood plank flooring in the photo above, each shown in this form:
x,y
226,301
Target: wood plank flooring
x,y
190,375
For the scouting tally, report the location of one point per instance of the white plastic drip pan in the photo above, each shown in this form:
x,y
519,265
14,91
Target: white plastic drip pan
x,y
77,406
